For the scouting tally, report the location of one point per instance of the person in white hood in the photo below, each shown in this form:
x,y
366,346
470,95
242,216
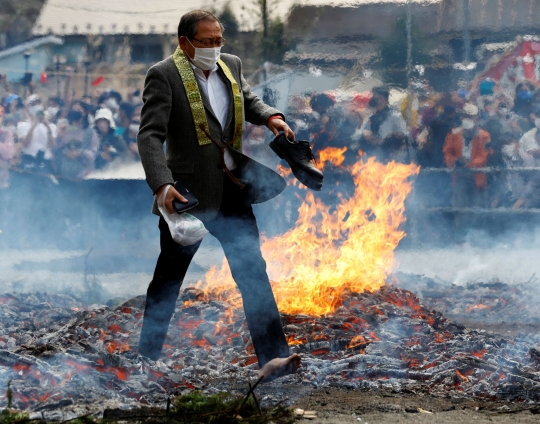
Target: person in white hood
x,y
111,146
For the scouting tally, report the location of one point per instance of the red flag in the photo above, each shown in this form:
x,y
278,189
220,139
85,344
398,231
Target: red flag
x,y
43,78
97,81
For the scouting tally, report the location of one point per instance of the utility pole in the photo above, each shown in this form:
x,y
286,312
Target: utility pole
x,y
27,77
466,33
264,14
87,63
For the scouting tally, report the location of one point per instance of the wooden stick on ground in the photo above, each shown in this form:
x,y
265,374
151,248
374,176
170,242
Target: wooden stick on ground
x,y
255,399
251,389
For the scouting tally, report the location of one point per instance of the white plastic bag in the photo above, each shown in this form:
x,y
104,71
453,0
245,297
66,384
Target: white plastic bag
x,y
185,228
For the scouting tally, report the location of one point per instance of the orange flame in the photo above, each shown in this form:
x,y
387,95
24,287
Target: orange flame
x,y
332,251
333,155
475,307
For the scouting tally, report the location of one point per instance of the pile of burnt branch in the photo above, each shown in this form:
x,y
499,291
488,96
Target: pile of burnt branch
x,y
71,362
486,302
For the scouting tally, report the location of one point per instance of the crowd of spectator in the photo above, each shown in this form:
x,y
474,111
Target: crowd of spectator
x,y
67,139
481,126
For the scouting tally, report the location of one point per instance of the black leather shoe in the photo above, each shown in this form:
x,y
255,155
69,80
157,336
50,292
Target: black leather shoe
x,y
300,158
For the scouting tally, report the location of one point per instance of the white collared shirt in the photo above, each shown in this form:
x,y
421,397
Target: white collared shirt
x,y
220,98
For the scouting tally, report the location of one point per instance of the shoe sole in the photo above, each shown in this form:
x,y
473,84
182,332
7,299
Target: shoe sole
x,y
277,150
305,179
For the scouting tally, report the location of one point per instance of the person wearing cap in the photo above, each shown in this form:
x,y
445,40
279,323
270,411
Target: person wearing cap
x,y
467,146
110,145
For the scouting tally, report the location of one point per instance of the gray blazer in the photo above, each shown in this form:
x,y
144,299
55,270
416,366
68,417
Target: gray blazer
x,y
166,116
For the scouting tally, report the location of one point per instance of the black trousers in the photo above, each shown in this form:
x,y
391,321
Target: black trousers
x,y
236,229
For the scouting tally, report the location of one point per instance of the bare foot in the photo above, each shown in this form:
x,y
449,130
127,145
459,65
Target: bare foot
x,y
279,367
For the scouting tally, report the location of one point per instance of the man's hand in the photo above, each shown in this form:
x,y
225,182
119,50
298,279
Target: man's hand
x,y
277,125
172,194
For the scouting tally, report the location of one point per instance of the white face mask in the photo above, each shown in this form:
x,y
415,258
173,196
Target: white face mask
x,y
467,124
52,111
33,110
205,58
508,150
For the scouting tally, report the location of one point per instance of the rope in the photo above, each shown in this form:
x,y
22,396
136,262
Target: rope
x,y
222,150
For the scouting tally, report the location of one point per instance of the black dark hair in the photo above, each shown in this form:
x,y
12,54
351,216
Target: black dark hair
x,y
524,84
189,21
382,91
86,107
116,95
103,96
507,138
57,100
127,108
321,101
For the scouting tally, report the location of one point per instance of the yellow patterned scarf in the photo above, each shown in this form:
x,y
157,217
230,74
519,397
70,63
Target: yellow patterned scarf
x,y
195,101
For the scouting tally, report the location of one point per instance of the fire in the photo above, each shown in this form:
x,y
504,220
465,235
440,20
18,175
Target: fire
x,y
333,155
476,307
332,251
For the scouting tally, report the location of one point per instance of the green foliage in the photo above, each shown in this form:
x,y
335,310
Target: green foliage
x,y
222,408
17,18
269,42
9,417
393,60
275,44
230,22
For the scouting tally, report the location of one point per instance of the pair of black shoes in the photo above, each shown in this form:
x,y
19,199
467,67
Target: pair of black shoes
x,y
300,158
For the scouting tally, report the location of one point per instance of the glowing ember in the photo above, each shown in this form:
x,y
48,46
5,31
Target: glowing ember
x,y
333,251
476,307
463,377
357,341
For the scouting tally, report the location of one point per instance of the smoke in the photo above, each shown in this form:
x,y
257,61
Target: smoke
x,y
49,226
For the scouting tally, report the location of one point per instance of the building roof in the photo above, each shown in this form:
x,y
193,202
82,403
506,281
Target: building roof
x,y
71,17
21,48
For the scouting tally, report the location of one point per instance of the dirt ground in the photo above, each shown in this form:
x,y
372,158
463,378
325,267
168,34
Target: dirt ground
x,y
453,417
337,406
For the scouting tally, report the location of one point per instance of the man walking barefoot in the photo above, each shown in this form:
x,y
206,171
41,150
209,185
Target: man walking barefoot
x,y
197,100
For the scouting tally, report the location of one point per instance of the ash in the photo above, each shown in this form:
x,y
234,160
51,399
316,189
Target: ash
x,y
66,359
